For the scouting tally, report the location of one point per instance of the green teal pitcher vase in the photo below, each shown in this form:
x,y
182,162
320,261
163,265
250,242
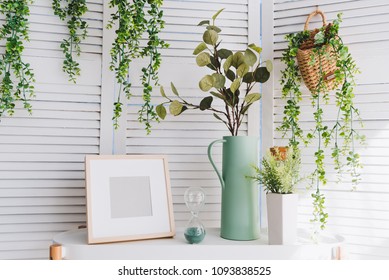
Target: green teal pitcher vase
x,y
240,196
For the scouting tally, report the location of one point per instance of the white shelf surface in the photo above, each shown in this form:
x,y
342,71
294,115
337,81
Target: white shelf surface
x,y
75,247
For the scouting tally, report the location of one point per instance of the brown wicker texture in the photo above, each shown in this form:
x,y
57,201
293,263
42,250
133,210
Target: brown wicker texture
x,y
311,71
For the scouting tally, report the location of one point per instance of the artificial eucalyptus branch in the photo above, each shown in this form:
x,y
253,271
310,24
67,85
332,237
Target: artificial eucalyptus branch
x,y
339,136
16,76
72,11
133,19
233,78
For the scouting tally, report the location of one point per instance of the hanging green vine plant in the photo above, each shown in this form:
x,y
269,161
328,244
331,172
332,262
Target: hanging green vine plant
x,y
72,11
133,19
16,76
340,136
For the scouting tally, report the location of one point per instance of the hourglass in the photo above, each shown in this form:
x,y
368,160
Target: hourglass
x,y
194,200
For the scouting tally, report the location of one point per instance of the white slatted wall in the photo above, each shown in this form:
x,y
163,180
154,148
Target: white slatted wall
x,y
361,216
42,156
185,138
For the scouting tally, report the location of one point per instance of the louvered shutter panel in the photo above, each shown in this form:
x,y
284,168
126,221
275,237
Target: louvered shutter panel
x,y
42,156
361,216
42,188
185,138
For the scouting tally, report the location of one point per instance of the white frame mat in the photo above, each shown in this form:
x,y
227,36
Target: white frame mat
x,y
128,198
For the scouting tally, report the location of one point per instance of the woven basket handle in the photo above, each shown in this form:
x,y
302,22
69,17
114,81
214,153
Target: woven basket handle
x,y
311,15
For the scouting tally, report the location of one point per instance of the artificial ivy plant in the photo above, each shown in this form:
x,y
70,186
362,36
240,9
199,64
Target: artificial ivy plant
x,y
72,11
133,19
16,76
340,135
232,78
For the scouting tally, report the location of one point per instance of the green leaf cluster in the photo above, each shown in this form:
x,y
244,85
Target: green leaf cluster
x,y
340,135
16,76
132,20
279,176
319,214
232,79
72,11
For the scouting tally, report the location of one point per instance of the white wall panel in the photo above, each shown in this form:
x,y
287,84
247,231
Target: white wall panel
x,y
42,189
184,139
42,156
362,216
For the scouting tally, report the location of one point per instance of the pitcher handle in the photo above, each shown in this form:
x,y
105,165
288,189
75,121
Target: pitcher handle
x,y
213,163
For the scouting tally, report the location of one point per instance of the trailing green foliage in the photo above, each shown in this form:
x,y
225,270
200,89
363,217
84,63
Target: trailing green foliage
x,y
319,215
132,20
15,74
340,135
279,176
233,78
72,11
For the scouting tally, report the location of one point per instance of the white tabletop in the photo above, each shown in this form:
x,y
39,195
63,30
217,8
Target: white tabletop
x,y
75,246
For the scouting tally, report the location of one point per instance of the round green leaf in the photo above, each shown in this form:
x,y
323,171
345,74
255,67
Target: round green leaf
x,y
210,37
203,59
237,59
161,111
269,66
249,57
242,69
248,78
252,97
224,53
202,46
206,83
230,75
175,108
206,103
261,75
255,48
214,28
235,85
218,80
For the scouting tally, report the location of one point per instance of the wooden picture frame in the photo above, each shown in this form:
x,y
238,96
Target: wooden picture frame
x,y
128,198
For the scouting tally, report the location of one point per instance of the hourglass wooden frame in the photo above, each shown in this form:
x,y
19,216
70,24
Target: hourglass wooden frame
x,y
128,198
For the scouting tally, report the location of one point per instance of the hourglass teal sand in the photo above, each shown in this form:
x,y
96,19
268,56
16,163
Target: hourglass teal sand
x,y
194,199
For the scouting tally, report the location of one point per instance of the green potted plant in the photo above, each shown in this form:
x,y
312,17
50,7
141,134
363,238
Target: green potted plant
x,y
321,59
230,84
279,174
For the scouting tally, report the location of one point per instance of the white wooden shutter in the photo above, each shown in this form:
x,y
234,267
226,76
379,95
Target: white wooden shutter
x,y
42,156
185,138
361,216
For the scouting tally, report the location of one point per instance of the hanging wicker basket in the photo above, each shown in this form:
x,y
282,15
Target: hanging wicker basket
x,y
323,66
